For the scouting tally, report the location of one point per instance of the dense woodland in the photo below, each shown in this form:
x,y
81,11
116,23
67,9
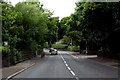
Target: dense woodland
x,y
27,28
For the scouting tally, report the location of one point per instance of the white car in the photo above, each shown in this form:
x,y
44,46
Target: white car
x,y
53,51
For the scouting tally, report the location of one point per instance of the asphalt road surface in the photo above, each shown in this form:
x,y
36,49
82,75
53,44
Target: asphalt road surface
x,y
65,66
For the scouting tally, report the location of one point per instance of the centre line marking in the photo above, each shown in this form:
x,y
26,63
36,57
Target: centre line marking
x,y
69,68
66,65
65,62
72,73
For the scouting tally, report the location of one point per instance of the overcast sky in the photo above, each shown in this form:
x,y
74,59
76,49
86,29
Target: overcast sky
x,y
61,8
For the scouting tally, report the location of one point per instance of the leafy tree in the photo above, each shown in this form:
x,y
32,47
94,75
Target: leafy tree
x,y
25,27
63,27
95,25
10,28
52,35
35,20
66,40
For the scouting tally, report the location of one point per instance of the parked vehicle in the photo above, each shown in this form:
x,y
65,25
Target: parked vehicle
x,y
53,51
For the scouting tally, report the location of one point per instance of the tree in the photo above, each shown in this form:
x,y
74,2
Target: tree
x,y
10,30
97,25
63,27
24,28
52,35
35,20
95,21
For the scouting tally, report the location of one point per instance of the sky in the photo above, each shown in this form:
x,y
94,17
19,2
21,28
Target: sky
x,y
60,8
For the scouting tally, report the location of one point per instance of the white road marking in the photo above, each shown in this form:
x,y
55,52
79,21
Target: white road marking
x,y
65,62
9,77
72,73
77,78
66,65
69,68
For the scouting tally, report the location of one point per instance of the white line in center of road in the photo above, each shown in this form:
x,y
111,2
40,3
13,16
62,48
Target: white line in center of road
x,y
65,62
66,65
72,73
69,68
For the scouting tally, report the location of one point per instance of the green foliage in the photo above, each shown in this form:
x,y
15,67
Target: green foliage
x,y
52,35
5,50
26,26
66,40
1,48
9,26
73,48
59,46
46,45
93,25
97,22
63,27
75,36
35,21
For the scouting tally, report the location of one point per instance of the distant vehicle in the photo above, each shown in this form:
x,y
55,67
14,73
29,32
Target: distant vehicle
x,y
53,51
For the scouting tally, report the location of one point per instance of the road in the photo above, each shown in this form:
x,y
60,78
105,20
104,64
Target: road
x,y
65,66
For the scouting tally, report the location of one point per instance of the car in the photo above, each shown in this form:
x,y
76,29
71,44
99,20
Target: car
x,y
53,51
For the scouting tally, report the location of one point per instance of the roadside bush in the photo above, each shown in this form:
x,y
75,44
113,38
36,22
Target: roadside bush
x,y
18,57
73,48
5,50
59,46
46,45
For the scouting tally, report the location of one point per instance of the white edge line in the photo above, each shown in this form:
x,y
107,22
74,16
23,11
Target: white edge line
x,y
19,72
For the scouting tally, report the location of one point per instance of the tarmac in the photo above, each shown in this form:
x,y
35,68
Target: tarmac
x,y
105,61
9,72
